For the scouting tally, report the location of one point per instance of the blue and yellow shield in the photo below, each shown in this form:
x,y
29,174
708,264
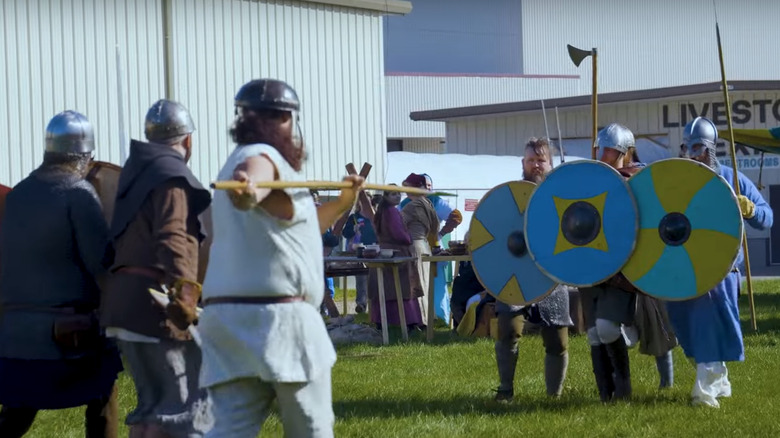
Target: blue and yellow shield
x,y
581,223
498,247
690,230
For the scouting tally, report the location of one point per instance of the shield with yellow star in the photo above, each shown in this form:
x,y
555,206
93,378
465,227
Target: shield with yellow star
x,y
581,223
690,230
498,250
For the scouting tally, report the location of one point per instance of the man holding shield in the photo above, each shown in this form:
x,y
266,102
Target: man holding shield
x,y
708,327
617,148
552,313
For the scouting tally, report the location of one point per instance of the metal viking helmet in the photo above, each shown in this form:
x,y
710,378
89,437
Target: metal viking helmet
x,y
167,119
615,136
69,132
268,94
272,94
700,130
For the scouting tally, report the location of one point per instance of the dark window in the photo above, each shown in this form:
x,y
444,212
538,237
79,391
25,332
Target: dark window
x,y
395,145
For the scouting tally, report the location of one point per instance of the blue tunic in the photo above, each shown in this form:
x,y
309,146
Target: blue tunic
x,y
708,327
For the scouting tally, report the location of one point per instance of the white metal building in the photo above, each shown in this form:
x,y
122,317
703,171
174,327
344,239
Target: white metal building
x,y
657,118
111,59
518,47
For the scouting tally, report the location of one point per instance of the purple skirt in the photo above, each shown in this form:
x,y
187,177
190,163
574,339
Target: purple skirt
x,y
411,311
58,384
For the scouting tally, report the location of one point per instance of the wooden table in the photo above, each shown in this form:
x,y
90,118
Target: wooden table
x,y
433,259
379,264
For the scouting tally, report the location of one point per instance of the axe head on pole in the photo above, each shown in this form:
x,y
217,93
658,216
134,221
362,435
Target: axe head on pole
x,y
577,55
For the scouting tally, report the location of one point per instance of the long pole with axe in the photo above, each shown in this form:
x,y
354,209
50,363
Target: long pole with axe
x,y
577,55
735,182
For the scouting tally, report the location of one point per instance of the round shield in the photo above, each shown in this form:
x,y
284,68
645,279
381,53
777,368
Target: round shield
x,y
498,251
690,230
581,223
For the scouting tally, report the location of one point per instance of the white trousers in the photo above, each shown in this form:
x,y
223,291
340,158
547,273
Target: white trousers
x,y
242,406
712,381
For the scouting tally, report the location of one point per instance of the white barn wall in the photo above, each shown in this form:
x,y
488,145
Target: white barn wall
x,y
60,55
331,55
651,44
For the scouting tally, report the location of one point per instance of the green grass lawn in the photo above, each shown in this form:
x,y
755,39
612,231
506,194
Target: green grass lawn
x,y
444,389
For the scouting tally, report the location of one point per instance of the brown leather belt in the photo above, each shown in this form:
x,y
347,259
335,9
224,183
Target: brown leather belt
x,y
140,270
250,300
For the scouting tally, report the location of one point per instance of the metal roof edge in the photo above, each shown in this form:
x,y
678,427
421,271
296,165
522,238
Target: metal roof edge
x,y
583,100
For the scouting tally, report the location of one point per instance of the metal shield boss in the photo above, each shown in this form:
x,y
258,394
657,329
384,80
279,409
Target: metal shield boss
x,y
498,250
581,223
690,230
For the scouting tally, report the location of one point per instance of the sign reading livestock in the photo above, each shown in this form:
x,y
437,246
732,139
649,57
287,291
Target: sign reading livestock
x,y
673,230
499,255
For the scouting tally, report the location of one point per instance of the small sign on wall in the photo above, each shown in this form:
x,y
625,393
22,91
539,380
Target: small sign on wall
x,y
471,204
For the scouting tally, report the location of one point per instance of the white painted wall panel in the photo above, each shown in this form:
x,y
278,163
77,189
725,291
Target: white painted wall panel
x,y
409,93
61,54
332,56
651,44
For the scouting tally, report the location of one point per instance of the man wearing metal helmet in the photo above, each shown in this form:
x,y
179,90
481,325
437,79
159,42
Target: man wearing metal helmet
x,y
53,354
656,338
721,341
262,333
157,234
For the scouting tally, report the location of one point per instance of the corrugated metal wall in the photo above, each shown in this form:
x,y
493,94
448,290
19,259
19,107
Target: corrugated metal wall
x,y
61,54
424,145
408,93
332,56
651,44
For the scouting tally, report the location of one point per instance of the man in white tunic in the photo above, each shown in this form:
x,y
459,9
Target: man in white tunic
x,y
262,335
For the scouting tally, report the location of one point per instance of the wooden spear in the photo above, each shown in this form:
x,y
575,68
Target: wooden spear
x,y
733,153
233,185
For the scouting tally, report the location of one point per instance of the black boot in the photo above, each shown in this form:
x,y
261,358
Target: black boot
x,y
506,359
15,422
602,370
101,417
618,355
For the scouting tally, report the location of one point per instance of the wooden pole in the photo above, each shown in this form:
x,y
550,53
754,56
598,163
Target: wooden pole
x,y
233,185
733,152
594,105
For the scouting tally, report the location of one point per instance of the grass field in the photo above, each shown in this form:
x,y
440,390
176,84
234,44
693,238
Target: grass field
x,y
444,389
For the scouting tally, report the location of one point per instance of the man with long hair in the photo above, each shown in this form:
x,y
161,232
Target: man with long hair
x,y
263,337
52,352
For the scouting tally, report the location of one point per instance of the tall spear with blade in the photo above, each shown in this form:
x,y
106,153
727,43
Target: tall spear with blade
x,y
733,152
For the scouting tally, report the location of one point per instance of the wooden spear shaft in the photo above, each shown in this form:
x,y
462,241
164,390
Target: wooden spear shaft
x,y
233,185
733,152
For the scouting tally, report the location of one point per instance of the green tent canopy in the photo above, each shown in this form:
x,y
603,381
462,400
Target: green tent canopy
x,y
766,140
